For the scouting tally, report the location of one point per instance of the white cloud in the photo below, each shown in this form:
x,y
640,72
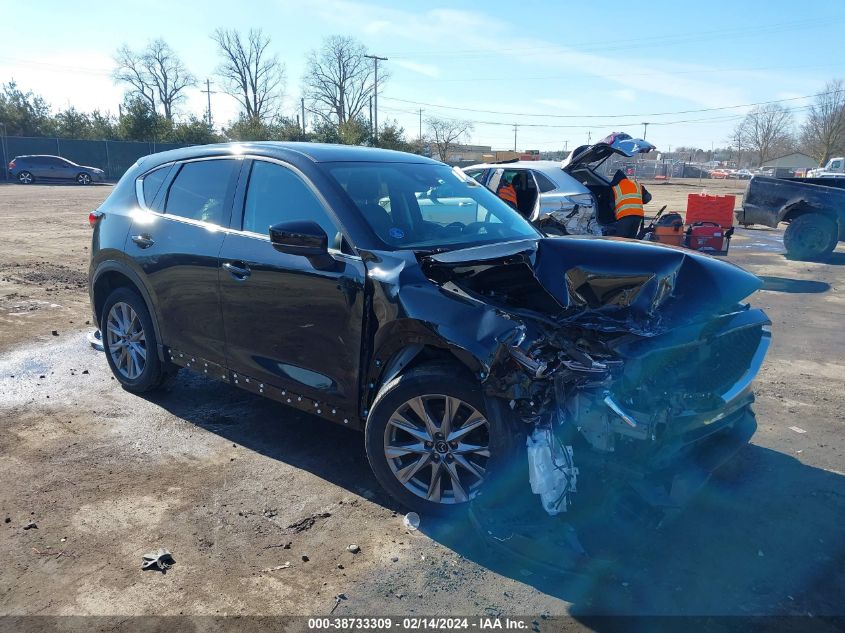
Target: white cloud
x,y
561,105
429,70
624,94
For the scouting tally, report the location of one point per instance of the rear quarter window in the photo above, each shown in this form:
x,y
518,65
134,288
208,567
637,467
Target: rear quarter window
x,y
152,182
544,183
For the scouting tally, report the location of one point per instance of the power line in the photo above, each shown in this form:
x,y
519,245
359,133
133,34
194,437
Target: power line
x,y
720,71
623,44
610,116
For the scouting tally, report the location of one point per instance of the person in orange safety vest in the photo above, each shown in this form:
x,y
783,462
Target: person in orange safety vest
x,y
507,192
629,196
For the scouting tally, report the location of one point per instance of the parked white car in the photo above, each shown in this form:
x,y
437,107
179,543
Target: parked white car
x,y
566,198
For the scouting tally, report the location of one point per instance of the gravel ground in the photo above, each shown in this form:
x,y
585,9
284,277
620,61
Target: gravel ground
x,y
237,487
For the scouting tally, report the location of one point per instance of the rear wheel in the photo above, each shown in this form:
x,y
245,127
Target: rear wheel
x,y
430,441
810,236
83,178
25,178
130,344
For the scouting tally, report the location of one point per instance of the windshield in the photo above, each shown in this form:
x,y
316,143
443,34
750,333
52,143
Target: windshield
x,y
423,206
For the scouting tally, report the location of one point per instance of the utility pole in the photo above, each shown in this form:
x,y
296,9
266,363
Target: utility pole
x,y
207,91
566,146
645,129
302,108
372,129
376,59
421,111
589,136
514,137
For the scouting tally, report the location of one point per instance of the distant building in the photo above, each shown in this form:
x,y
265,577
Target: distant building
x,y
796,160
467,153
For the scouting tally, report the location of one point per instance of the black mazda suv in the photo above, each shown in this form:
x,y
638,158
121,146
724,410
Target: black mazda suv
x,y
392,294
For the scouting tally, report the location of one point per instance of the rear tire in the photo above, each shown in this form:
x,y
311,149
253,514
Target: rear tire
x,y
25,178
430,458
130,343
810,236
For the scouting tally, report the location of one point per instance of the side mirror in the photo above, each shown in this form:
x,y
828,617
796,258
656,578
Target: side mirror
x,y
302,237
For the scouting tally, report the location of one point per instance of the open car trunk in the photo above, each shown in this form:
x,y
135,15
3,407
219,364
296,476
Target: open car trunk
x,y
584,161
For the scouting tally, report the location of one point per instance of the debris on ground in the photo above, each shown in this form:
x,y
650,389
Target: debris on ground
x,y
58,554
337,600
95,340
305,558
306,524
353,548
285,545
161,560
277,567
55,332
797,429
412,521
30,526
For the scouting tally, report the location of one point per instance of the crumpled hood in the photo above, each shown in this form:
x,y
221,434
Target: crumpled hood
x,y
607,284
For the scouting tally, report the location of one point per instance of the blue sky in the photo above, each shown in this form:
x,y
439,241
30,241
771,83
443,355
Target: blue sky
x,y
556,68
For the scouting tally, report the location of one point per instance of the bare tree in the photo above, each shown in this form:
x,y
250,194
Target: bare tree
x,y
250,73
766,131
156,75
131,70
339,80
446,133
823,132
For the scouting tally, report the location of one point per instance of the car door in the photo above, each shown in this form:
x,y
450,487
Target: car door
x,y
65,170
177,243
39,166
288,323
54,168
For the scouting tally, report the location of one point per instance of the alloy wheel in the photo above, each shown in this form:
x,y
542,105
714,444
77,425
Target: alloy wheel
x,y
438,448
83,179
25,177
126,340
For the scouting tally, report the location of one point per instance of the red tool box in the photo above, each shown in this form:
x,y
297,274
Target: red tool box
x,y
709,237
710,220
702,207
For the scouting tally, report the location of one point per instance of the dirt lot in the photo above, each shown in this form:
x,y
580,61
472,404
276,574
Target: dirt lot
x,y
236,487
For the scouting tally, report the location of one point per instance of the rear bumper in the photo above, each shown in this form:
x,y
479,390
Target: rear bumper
x,y
754,214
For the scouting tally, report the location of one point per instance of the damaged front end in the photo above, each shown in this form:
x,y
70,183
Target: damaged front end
x,y
624,360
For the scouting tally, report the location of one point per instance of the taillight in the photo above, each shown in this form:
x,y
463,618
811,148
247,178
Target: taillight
x,y
94,217
12,165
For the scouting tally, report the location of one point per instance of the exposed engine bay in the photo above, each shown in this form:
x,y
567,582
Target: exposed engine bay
x,y
629,367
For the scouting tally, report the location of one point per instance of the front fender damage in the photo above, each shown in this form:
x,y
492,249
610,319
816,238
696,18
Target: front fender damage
x,y
617,356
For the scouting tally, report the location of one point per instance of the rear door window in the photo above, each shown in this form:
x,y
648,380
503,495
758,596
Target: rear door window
x,y
201,191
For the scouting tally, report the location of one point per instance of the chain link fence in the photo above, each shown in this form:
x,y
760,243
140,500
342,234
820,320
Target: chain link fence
x,y
113,157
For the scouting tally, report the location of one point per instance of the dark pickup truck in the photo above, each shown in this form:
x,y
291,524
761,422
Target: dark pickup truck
x,y
814,209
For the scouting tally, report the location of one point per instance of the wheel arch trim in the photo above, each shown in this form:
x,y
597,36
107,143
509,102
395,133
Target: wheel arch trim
x,y
111,266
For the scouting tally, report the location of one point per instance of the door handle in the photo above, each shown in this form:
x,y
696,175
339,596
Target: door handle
x,y
144,241
238,272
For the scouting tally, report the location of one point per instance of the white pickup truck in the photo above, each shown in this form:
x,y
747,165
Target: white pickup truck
x,y
835,168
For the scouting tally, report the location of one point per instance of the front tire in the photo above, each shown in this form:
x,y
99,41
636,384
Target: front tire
x,y
83,178
25,178
431,441
130,343
810,236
